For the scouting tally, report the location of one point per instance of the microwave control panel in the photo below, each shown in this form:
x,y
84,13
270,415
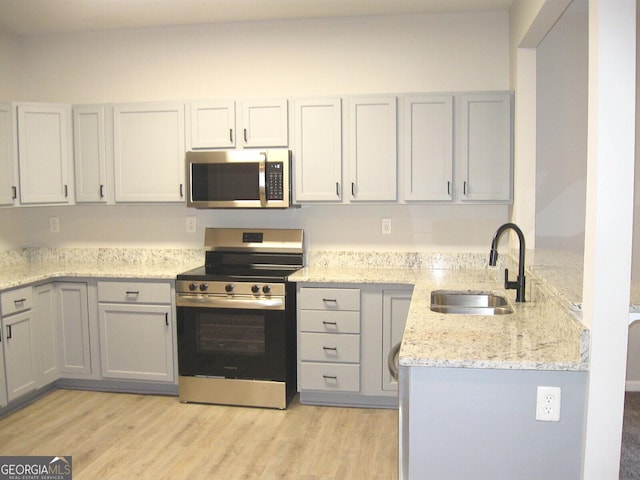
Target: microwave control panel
x,y
275,180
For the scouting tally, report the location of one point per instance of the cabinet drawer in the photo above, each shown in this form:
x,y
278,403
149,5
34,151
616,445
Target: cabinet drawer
x,y
328,347
16,301
329,376
134,292
323,321
329,298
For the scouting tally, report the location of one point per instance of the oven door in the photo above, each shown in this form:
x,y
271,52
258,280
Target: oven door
x,y
238,341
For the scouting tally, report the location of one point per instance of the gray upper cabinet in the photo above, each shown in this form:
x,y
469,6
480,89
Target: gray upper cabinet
x,y
317,150
243,124
92,147
372,149
428,147
265,123
45,153
8,180
213,124
149,149
484,147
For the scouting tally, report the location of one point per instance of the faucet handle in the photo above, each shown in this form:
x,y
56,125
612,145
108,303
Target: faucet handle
x,y
507,284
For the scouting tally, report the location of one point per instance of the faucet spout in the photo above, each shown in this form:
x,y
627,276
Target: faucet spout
x,y
519,284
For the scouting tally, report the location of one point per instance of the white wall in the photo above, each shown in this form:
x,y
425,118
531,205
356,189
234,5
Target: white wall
x,y
561,167
10,79
416,53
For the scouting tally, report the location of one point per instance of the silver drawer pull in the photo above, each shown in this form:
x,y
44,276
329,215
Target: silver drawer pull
x,y
131,292
330,300
324,322
330,377
333,349
20,300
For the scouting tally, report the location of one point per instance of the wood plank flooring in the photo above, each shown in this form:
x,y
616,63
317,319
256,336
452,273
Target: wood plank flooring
x,y
115,435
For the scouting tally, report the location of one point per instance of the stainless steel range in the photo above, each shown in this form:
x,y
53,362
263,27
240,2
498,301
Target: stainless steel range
x,y
236,319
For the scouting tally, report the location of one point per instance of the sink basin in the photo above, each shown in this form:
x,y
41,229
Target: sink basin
x,y
469,302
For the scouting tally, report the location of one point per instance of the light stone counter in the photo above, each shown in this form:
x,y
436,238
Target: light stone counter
x,y
542,334
29,266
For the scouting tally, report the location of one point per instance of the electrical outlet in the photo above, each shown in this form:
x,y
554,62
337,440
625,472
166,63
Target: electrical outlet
x,y
54,224
548,404
386,226
191,224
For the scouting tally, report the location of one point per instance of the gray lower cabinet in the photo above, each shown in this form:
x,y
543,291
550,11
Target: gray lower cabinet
x,y
74,354
135,322
345,333
329,339
46,335
395,308
20,345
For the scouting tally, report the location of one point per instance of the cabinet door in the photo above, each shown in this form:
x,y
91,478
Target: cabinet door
x,y
213,124
90,153
8,185
372,149
317,152
3,384
149,152
484,146
428,147
395,307
73,329
265,123
44,307
19,350
44,152
136,342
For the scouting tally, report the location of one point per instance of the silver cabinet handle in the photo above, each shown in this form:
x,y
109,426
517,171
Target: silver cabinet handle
x,y
330,300
337,189
448,188
392,361
66,191
101,191
324,322
15,192
353,189
330,377
166,319
132,292
333,349
231,135
464,188
8,332
245,135
181,190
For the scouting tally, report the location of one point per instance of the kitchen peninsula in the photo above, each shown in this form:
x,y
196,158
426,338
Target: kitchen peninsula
x,y
469,383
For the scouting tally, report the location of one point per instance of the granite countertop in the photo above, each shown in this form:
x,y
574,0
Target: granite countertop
x,y
543,334
29,266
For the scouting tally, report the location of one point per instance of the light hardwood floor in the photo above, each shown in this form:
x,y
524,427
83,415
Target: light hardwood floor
x,y
115,435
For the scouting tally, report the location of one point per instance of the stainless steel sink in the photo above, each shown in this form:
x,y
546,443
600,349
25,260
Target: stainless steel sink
x,y
469,302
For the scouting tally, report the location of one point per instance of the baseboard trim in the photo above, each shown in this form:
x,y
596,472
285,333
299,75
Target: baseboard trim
x,y
632,386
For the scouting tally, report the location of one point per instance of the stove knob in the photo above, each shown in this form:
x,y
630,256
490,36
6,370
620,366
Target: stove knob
x,y
266,289
193,286
255,289
228,288
203,286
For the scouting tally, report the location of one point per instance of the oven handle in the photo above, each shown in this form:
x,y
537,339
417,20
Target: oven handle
x,y
209,301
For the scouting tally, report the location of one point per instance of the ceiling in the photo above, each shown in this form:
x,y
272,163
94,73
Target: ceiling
x,y
34,17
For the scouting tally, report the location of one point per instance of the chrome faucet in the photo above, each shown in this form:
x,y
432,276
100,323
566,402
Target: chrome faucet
x,y
519,284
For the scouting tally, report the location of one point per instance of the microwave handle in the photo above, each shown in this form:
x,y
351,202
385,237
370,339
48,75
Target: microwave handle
x,y
262,179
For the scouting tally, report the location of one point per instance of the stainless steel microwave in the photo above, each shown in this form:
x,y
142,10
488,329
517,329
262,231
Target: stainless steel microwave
x,y
239,178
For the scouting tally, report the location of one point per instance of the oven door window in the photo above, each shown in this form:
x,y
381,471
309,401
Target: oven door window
x,y
233,343
231,334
